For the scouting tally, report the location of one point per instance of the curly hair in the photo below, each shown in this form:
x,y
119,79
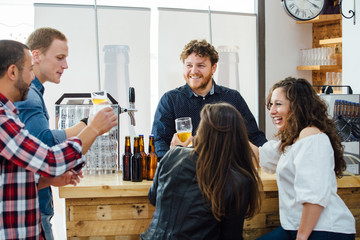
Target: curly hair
x,y
307,109
224,153
201,48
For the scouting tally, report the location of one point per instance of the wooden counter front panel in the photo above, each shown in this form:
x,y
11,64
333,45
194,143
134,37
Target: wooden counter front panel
x,y
268,218
107,218
351,197
124,218
111,214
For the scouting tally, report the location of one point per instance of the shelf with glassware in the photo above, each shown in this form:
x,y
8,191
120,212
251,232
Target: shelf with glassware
x,y
331,41
324,18
334,68
330,58
324,59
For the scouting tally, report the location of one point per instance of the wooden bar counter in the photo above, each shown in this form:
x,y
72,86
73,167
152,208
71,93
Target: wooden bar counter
x,y
105,207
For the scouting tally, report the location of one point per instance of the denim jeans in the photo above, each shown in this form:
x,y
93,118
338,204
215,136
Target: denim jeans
x,y
282,234
46,226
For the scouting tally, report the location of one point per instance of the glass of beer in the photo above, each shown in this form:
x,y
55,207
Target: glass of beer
x,y
99,100
183,128
99,97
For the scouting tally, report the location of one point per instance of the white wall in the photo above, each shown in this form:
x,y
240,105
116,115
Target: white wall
x,y
351,47
283,39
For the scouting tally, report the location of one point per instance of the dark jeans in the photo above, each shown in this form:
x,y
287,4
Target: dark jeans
x,y
282,234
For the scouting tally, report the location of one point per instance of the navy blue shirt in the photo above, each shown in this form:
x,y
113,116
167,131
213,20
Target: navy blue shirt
x,y
33,113
183,102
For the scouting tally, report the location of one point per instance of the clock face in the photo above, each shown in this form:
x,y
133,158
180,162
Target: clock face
x,y
303,9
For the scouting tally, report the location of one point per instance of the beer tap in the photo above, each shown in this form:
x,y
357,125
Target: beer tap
x,y
131,110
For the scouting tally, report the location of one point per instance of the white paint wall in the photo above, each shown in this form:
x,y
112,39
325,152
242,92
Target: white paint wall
x,y
284,39
351,47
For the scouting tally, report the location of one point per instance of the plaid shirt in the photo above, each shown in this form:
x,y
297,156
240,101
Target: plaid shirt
x,y
21,155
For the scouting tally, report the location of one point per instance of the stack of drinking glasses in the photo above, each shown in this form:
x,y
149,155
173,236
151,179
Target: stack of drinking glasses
x,y
102,157
317,56
334,78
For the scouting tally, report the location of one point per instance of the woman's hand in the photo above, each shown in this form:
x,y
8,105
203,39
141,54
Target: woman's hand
x,y
175,141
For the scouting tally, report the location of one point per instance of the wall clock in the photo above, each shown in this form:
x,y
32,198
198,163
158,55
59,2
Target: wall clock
x,y
303,10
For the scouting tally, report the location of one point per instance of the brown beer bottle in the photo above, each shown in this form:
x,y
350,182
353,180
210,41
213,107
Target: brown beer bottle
x,y
136,163
143,155
151,159
126,160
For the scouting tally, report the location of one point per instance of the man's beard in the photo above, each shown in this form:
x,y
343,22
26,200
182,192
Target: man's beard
x,y
203,84
22,87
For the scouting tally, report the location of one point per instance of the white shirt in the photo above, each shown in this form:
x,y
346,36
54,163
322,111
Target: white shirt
x,y
305,174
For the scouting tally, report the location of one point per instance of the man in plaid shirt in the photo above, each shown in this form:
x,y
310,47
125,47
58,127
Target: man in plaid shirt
x,y
21,154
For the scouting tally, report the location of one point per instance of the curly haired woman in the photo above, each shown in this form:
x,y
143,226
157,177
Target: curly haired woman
x,y
307,159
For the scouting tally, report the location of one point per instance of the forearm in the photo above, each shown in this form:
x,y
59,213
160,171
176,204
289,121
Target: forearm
x,y
87,137
97,125
310,216
69,177
75,130
255,149
44,182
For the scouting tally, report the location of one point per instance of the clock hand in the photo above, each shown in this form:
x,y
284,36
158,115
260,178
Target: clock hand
x,y
313,4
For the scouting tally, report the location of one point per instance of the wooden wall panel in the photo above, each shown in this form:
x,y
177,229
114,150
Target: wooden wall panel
x,y
321,31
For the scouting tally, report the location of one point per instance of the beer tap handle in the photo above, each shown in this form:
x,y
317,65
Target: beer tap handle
x,y
131,98
132,108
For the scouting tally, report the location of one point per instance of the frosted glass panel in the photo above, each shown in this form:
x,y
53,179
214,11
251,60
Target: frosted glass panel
x,y
176,29
233,35
115,34
77,23
124,43
236,45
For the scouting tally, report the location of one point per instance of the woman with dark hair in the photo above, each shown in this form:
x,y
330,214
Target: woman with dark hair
x,y
206,192
307,159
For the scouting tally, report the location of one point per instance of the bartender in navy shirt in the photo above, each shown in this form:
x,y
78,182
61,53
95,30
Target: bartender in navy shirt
x,y
200,62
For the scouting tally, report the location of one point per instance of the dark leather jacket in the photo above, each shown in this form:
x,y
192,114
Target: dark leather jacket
x,y
181,212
